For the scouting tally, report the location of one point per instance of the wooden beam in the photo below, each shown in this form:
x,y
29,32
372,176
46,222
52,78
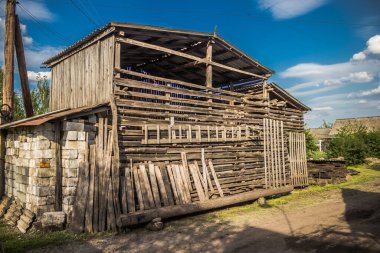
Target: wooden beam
x,y
209,66
188,56
187,84
9,42
27,99
178,210
58,166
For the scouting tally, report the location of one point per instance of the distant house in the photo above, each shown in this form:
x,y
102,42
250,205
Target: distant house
x,y
371,123
322,137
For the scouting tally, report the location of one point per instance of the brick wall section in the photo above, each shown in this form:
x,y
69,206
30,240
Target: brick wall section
x,y
30,164
30,167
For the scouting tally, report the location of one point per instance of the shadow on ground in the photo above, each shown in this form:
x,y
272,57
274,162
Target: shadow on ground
x,y
362,214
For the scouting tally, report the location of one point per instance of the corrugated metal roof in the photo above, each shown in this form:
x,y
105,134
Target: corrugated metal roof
x,y
40,119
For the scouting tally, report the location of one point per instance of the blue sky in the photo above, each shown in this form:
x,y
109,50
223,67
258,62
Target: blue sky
x,y
325,52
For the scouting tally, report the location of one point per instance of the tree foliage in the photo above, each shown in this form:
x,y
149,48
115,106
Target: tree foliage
x,y
326,124
311,145
355,143
40,98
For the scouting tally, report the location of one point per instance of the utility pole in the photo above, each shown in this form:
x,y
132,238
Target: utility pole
x,y
27,99
8,81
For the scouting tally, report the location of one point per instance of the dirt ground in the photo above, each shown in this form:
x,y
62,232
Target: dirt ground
x,y
340,220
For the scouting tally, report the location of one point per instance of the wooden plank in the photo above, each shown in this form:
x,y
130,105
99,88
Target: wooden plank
x,y
186,170
129,188
216,180
90,200
204,169
185,184
124,204
58,166
201,179
168,188
146,189
179,184
283,152
174,52
79,209
173,184
197,183
138,188
161,186
153,182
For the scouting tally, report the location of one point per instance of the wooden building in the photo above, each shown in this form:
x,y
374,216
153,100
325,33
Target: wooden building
x,y
173,122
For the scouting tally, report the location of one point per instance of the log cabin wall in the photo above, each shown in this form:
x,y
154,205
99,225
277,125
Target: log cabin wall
x,y
83,78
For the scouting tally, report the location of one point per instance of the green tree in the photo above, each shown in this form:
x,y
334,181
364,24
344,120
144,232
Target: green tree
x,y
311,144
326,124
40,95
40,98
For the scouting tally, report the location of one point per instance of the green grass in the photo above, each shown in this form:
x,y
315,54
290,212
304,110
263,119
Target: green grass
x,y
298,197
14,241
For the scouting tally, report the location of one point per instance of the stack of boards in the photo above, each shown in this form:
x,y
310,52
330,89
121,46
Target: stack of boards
x,y
15,215
148,186
327,171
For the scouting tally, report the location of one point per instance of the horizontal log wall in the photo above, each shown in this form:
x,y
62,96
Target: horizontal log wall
x,y
239,164
84,78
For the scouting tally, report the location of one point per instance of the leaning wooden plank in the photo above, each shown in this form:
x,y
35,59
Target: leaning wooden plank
x,y
146,186
153,182
204,169
79,209
197,183
111,222
124,204
185,184
95,219
129,189
186,169
179,183
90,200
161,186
216,180
172,211
201,179
173,184
168,189
138,188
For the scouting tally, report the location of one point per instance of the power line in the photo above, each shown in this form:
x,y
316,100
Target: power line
x,y
57,34
84,13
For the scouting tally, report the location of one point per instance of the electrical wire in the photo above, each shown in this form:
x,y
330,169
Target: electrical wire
x,y
55,33
84,13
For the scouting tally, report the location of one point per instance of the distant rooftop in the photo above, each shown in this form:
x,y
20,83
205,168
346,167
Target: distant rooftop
x,y
370,122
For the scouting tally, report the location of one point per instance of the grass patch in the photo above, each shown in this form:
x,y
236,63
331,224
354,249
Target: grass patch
x,y
298,197
14,241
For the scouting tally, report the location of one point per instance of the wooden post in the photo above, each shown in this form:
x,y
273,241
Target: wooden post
x,y
58,168
9,42
8,81
22,71
209,66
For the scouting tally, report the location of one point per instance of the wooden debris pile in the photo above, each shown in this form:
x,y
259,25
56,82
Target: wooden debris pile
x,y
15,214
327,171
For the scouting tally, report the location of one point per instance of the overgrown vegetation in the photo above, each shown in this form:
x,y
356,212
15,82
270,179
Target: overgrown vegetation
x,y
311,144
355,143
40,98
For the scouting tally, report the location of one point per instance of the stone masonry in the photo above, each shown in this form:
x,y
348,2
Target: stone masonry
x,y
30,164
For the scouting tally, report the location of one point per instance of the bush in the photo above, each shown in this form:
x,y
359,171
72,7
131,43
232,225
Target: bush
x,y
355,143
311,144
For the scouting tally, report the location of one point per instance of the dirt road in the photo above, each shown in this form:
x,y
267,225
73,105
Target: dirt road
x,y
341,220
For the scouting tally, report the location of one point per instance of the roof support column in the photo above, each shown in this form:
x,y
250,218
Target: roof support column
x,y
209,66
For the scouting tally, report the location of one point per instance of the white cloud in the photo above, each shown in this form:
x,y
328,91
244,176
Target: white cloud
x,y
282,9
359,56
325,108
372,50
373,45
362,101
360,77
371,92
33,76
38,9
27,40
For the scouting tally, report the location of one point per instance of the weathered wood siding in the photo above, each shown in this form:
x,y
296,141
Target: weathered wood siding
x,y
84,78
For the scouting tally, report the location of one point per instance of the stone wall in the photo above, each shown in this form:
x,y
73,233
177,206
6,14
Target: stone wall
x,y
30,164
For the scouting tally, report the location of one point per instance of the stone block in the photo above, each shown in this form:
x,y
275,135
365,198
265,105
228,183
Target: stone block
x,y
70,135
40,191
70,145
53,221
69,191
69,200
81,136
41,172
69,182
69,154
40,210
43,144
70,164
73,126
73,172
